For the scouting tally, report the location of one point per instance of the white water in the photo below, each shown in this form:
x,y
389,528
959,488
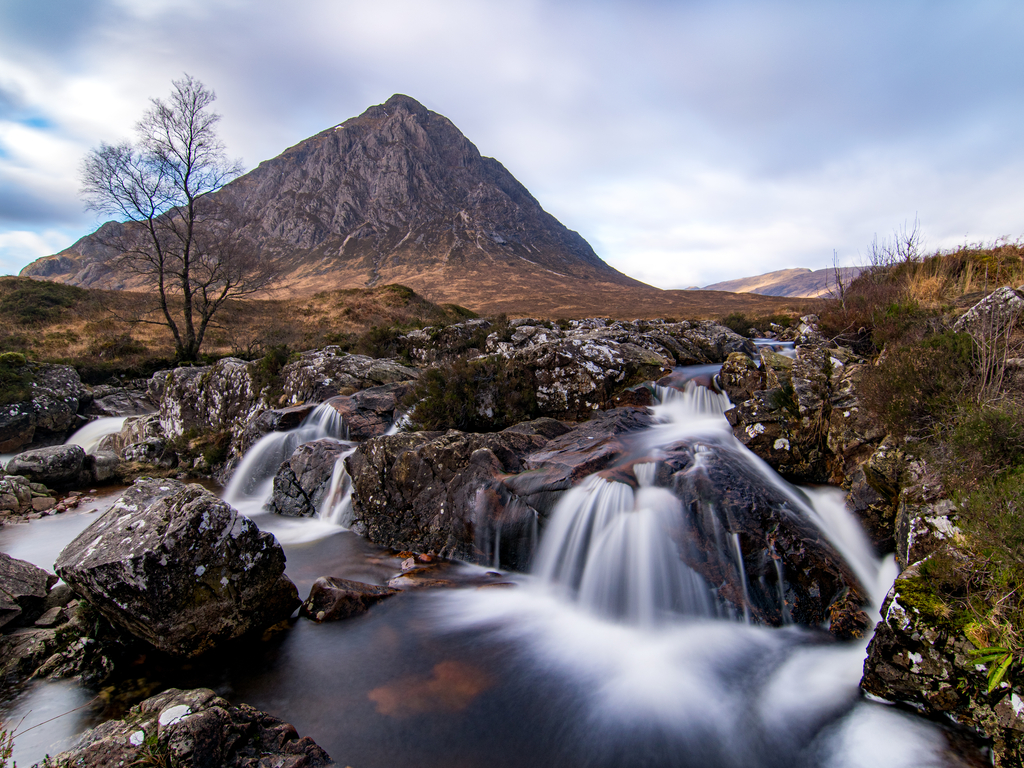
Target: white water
x,y
90,435
253,481
613,614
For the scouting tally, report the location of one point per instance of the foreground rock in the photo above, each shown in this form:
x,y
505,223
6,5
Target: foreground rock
x,y
194,728
304,480
917,658
174,565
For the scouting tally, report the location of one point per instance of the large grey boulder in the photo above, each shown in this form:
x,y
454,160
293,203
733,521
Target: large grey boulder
x,y
197,728
222,396
58,466
23,587
322,374
992,315
176,566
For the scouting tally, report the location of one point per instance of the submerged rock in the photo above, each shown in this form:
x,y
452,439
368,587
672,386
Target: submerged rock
x,y
194,728
174,565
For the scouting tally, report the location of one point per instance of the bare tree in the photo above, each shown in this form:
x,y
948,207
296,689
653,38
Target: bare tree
x,y
176,233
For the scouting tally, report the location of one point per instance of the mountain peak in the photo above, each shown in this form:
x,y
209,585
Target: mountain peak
x,y
397,194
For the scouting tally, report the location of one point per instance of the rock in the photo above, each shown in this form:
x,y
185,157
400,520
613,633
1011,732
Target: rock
x,y
992,314
419,491
194,728
120,401
19,496
222,396
59,466
740,377
154,451
23,588
917,658
174,565
371,412
437,345
303,481
322,374
136,429
52,412
925,517
332,598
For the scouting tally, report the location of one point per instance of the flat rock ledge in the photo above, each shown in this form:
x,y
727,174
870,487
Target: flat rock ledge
x,y
197,729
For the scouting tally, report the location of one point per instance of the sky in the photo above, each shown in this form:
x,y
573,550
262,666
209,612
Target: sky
x,y
689,141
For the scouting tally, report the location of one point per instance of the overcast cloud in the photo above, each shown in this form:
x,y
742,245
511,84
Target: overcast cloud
x,y
688,141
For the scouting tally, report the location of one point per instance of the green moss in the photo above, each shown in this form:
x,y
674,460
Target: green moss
x,y
15,378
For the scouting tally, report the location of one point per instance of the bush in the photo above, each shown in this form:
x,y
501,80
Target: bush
x,y
15,378
33,302
483,395
916,387
987,440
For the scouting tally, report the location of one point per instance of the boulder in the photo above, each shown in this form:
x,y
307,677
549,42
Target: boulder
x,y
993,314
332,598
194,728
219,397
303,481
23,588
59,466
120,401
174,565
17,426
322,374
371,412
418,491
918,658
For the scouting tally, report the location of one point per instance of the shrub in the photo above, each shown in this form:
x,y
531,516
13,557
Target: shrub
x,y
987,440
15,378
33,302
474,396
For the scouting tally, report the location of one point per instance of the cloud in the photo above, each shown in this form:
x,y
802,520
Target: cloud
x,y
19,247
689,142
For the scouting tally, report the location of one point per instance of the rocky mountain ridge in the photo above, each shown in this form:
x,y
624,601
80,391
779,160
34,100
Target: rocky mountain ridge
x,y
397,194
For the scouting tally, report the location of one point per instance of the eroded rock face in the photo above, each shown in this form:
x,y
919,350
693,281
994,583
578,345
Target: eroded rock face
x,y
194,728
325,373
418,491
57,393
917,658
59,466
222,396
174,565
303,481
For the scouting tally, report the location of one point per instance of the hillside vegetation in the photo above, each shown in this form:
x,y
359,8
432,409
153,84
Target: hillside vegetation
x,y
955,399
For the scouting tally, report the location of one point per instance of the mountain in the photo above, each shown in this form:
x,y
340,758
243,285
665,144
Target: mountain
x,y
396,195
794,283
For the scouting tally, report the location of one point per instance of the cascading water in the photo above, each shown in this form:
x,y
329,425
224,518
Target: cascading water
x,y
336,507
90,435
253,480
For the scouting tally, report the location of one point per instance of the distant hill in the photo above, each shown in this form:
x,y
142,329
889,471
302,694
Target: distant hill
x,y
793,283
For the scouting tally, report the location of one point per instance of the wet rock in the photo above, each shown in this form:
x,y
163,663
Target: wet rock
x,y
925,517
740,377
59,466
418,491
174,565
371,412
121,401
194,728
154,451
303,481
331,598
917,658
322,374
23,588
17,426
272,420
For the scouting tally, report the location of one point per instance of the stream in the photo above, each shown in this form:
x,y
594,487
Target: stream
x,y
611,653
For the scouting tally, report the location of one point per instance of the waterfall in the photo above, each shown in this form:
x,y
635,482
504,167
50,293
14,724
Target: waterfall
x,y
336,507
253,480
91,435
